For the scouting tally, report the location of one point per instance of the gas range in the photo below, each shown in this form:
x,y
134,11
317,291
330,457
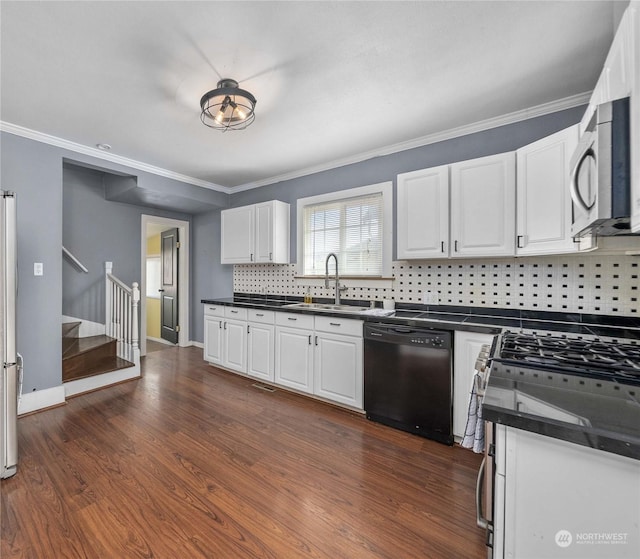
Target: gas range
x,y
612,360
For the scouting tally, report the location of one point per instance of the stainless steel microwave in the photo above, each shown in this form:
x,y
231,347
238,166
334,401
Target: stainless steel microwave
x,y
600,174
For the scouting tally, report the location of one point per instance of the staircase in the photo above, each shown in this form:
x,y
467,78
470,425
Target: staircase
x,y
85,357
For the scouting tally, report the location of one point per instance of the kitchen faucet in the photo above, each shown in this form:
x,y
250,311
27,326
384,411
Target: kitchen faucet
x,y
339,287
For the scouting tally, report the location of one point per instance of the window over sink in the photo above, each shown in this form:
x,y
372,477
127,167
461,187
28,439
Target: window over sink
x,y
355,224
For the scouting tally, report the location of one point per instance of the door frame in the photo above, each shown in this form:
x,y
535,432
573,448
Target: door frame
x,y
183,274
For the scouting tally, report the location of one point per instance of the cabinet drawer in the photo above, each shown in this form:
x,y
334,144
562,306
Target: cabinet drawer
x,y
235,312
295,320
265,317
346,326
214,310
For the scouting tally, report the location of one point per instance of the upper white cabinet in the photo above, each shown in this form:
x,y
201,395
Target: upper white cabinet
x,y
543,199
633,14
255,233
423,213
483,199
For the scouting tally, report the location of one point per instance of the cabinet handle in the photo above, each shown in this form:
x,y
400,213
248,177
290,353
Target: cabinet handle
x,y
247,328
441,246
220,324
520,241
455,246
309,339
334,324
316,340
234,312
259,314
225,325
481,521
271,256
291,318
251,257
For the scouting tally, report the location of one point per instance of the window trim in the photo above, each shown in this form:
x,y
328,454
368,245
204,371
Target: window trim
x,y
384,188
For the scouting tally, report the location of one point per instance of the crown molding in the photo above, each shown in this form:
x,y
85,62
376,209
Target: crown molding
x,y
106,156
510,118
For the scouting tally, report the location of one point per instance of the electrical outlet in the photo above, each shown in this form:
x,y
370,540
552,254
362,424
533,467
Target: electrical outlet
x,y
38,269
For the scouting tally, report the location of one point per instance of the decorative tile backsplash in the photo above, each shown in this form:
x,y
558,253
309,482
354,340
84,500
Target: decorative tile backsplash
x,y
574,283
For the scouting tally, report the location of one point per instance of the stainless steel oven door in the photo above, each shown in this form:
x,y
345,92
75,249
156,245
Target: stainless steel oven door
x,y
484,489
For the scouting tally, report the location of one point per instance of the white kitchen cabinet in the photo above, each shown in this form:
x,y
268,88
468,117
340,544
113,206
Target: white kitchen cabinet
x,y
483,201
234,349
255,233
294,358
338,360
467,347
213,339
237,235
213,333
543,199
553,486
272,232
423,213
633,13
261,346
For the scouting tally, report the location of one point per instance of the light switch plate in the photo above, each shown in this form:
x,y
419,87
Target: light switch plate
x,y
38,269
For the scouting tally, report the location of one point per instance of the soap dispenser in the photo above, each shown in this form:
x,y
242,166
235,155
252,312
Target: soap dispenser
x,y
307,297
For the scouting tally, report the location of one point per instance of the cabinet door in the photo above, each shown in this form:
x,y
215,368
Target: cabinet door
x,y
237,235
264,232
544,202
634,32
483,206
467,346
260,362
337,369
294,358
423,213
213,340
235,345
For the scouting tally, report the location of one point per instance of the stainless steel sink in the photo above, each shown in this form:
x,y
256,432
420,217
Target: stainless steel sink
x,y
326,307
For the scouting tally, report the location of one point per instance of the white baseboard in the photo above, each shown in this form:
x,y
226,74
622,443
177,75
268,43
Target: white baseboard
x,y
40,399
160,341
74,387
197,344
87,328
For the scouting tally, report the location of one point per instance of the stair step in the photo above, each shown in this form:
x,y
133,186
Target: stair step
x,y
70,329
78,346
94,367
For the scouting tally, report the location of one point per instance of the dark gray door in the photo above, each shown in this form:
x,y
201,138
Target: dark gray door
x,y
170,246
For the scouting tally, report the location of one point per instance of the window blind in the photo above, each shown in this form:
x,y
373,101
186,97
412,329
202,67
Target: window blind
x,y
349,227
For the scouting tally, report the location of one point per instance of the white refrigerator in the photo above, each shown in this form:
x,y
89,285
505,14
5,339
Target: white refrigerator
x,y
10,360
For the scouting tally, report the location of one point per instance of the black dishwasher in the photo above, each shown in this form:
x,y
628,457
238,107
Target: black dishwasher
x,y
408,379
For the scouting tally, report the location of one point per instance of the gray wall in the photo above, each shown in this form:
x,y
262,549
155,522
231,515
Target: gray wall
x,y
95,231
385,168
34,171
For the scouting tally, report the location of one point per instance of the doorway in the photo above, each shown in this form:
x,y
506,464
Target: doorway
x,y
152,278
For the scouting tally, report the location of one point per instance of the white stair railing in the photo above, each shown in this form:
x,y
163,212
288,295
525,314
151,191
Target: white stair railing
x,y
121,315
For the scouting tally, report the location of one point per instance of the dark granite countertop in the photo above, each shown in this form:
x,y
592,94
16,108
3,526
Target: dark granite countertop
x,y
474,319
600,414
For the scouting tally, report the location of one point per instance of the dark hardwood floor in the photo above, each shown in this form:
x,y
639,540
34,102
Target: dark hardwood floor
x,y
191,461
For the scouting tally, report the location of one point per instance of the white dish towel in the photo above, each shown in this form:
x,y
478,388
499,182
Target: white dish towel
x,y
474,431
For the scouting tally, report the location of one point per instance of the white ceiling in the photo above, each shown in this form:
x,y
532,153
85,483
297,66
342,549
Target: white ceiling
x,y
335,81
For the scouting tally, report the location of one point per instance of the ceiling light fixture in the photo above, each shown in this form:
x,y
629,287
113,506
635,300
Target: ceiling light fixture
x,y
227,107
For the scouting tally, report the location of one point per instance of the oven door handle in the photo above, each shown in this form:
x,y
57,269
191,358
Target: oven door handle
x,y
577,198
481,521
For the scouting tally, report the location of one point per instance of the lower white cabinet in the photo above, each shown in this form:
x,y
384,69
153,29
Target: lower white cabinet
x,y
337,368
234,349
294,358
213,339
260,354
467,346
